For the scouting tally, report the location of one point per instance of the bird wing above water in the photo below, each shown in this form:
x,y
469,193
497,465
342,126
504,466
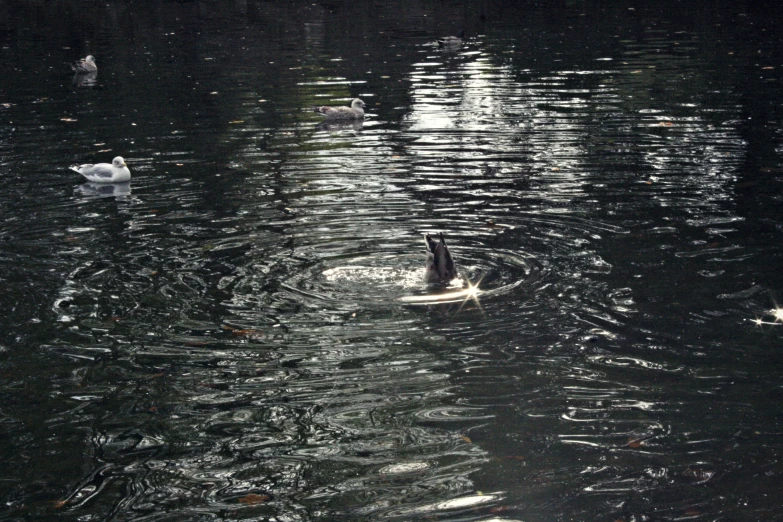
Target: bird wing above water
x,y
99,170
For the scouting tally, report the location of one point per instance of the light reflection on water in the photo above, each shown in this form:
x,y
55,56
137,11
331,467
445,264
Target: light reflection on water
x,y
243,330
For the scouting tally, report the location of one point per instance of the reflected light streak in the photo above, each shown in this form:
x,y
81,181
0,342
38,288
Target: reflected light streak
x,y
464,295
759,322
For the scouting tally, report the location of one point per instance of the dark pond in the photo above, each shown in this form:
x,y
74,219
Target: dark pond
x,y
242,332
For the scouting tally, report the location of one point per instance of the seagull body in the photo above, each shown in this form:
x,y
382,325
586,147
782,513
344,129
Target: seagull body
x,y
440,267
452,41
354,112
114,172
85,65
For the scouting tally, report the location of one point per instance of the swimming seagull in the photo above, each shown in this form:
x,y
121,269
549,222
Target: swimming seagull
x,y
116,172
440,267
354,112
451,41
85,65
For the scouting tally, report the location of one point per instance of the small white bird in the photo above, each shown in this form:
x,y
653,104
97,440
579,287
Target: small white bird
x,y
440,267
85,65
116,172
354,112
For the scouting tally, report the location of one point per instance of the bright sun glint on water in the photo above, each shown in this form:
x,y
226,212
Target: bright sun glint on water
x,y
472,292
777,313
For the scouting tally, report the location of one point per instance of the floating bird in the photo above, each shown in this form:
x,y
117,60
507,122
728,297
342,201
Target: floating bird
x,y
85,65
452,41
116,172
354,112
440,267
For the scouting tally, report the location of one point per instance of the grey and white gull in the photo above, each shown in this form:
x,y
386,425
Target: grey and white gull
x,y
354,112
85,65
452,41
114,172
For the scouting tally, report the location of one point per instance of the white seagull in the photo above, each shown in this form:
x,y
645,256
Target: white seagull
x,y
85,65
116,172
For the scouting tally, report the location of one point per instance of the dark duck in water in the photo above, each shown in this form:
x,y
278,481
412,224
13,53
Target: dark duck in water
x,y
440,267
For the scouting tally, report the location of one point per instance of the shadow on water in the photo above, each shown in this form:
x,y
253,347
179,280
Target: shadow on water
x,y
243,330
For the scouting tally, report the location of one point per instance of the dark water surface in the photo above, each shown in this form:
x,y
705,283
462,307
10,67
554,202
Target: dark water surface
x,y
242,332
